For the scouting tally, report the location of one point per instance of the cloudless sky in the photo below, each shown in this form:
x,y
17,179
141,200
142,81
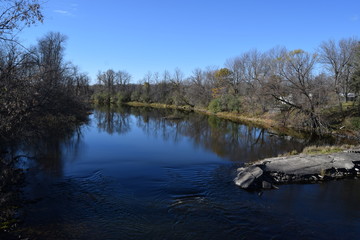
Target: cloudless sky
x,y
153,35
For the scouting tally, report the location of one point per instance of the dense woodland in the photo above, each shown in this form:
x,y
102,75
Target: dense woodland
x,y
38,87
296,86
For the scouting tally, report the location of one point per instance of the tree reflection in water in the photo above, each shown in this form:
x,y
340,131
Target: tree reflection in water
x,y
18,159
227,139
112,120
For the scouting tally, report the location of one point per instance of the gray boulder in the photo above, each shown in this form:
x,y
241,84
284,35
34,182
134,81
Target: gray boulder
x,y
247,176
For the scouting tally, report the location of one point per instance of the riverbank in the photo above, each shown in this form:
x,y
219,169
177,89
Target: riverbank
x,y
302,168
265,121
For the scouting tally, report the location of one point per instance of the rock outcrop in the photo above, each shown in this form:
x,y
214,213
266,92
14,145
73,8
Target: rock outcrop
x,y
301,168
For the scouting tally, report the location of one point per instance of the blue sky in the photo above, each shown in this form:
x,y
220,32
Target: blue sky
x,y
153,35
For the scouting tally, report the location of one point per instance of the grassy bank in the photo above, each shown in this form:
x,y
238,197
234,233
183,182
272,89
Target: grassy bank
x,y
158,105
319,150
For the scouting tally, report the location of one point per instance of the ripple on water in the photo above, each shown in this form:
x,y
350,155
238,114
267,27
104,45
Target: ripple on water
x,y
83,207
191,203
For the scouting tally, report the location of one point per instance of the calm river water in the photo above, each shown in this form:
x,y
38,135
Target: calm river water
x,y
133,174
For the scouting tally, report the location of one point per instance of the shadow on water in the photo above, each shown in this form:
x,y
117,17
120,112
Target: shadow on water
x,y
15,156
135,173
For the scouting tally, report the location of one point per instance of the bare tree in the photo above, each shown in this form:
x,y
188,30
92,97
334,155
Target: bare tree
x,y
199,90
355,80
236,66
256,71
107,79
76,83
295,86
338,59
178,88
161,89
123,78
51,58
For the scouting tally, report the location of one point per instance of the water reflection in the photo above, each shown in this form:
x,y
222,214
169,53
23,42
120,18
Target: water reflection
x,y
110,121
42,150
225,138
49,153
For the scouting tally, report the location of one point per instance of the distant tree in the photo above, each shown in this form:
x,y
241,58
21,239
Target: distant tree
x,y
223,77
178,88
355,78
256,68
161,87
221,84
295,86
76,83
199,90
107,79
122,80
338,59
237,67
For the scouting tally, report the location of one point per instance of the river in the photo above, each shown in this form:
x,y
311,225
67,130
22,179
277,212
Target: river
x,y
130,173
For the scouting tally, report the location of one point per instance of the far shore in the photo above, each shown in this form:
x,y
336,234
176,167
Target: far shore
x,y
261,121
264,121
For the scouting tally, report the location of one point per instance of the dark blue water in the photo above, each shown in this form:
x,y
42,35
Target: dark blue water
x,y
132,174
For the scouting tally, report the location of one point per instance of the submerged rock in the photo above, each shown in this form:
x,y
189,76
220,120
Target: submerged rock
x,y
299,168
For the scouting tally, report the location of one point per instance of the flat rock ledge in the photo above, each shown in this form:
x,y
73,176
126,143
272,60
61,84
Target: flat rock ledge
x,y
268,173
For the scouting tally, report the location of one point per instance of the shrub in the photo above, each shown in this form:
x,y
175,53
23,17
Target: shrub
x,y
215,105
232,103
226,103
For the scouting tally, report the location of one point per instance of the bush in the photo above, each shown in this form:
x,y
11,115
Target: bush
x,y
232,103
215,105
226,103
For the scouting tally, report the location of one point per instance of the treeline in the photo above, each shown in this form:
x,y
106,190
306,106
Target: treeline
x,y
297,85
38,88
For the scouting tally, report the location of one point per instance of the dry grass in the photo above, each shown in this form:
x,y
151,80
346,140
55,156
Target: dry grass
x,y
158,105
311,150
317,150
